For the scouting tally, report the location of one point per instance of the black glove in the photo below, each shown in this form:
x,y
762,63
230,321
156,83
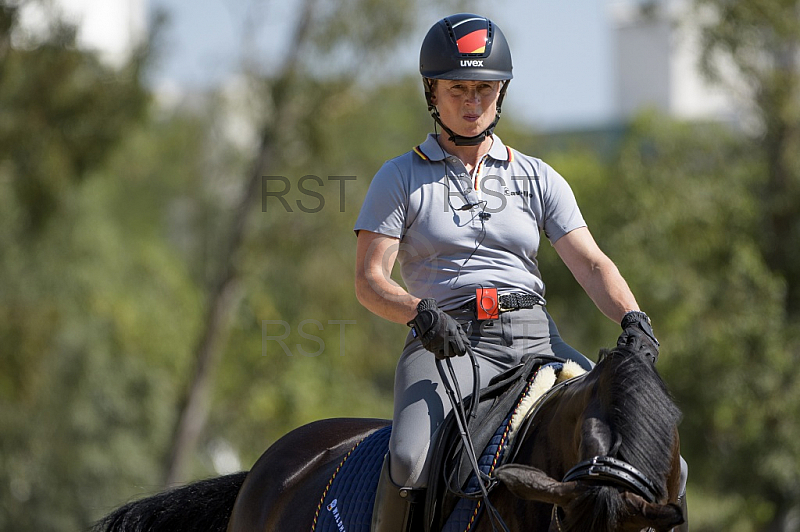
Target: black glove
x,y
438,331
637,335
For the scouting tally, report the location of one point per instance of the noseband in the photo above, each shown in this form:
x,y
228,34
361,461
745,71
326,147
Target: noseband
x,y
605,469
608,470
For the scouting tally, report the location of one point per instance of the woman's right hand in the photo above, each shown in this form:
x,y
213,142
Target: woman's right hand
x,y
438,331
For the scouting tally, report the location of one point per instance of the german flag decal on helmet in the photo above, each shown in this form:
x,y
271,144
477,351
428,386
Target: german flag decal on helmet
x,y
471,35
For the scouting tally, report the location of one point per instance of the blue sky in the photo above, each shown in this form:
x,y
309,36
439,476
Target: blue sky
x,y
561,49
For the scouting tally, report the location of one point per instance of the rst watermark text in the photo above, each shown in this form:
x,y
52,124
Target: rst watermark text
x,y
277,186
273,326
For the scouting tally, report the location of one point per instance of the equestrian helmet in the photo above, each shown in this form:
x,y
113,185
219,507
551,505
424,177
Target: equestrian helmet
x,y
465,47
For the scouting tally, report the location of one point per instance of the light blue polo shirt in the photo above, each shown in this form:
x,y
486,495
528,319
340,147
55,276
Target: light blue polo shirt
x,y
454,239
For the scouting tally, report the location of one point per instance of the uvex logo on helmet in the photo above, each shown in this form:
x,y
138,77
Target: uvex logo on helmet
x,y
472,63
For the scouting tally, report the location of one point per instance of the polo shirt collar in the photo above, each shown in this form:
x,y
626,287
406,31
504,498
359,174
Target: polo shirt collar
x,y
431,150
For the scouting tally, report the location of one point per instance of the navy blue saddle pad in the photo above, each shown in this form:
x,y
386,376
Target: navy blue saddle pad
x,y
346,504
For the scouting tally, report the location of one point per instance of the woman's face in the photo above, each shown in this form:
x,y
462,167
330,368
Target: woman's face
x,y
466,107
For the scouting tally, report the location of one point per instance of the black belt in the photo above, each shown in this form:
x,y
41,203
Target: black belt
x,y
508,302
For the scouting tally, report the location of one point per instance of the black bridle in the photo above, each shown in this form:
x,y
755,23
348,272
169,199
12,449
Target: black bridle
x,y
607,470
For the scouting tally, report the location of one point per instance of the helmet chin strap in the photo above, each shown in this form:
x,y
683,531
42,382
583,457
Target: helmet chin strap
x,y
461,140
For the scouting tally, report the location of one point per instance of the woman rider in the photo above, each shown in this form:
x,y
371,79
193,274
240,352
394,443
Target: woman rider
x,y
462,214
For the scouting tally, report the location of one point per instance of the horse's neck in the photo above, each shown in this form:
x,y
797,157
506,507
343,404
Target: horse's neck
x,y
554,444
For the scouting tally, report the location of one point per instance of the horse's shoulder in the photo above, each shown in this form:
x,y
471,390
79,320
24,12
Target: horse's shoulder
x,y
335,428
294,469
316,442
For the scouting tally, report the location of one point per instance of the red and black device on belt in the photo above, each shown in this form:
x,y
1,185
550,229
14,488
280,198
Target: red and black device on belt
x,y
488,307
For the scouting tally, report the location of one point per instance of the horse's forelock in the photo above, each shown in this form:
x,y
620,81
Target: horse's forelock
x,y
598,509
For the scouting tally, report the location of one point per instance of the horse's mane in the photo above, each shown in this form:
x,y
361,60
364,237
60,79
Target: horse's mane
x,y
643,414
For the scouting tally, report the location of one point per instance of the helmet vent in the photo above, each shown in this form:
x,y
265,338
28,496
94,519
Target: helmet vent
x,y
450,30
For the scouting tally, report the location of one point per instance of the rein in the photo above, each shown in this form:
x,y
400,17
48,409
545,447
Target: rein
x,y
453,391
462,419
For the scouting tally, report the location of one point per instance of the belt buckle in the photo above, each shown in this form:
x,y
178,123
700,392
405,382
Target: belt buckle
x,y
592,472
511,299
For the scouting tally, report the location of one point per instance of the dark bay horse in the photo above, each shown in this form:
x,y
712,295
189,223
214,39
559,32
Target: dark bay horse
x,y
620,414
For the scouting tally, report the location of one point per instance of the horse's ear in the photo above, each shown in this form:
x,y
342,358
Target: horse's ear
x,y
533,484
596,437
642,514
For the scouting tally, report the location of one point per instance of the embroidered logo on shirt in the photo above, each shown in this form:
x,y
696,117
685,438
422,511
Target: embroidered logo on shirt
x,y
525,193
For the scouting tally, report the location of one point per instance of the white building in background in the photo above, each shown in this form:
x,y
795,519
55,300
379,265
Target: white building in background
x,y
657,52
113,28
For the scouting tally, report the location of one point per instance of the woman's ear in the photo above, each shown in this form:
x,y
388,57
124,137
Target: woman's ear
x,y
432,84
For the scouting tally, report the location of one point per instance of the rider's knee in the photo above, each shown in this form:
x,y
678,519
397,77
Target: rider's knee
x,y
407,468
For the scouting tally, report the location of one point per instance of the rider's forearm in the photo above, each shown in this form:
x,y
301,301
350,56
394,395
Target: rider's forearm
x,y
609,291
385,298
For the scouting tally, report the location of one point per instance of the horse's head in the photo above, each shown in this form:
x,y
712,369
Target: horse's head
x,y
617,453
580,506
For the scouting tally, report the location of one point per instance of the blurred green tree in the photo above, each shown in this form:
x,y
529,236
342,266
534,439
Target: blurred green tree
x,y
297,269
761,42
85,361
61,111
